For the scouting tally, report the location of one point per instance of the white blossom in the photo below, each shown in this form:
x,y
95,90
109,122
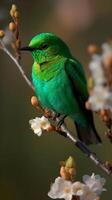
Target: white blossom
x,y
107,51
83,191
95,183
89,190
38,124
101,97
61,189
96,70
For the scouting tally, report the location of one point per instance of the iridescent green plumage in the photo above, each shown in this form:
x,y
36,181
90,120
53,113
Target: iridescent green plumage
x,y
60,83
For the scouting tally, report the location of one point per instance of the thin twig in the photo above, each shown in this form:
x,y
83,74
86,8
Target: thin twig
x,y
65,132
17,64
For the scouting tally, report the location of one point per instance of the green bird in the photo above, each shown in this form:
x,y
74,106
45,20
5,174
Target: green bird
x,y
60,83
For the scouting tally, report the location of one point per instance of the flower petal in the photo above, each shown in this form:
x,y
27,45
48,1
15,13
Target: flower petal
x,y
38,131
35,126
61,189
95,183
44,123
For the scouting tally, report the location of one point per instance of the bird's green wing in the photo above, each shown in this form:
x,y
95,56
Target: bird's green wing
x,y
76,75
86,131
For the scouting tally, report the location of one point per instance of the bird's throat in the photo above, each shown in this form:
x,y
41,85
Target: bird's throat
x,y
47,70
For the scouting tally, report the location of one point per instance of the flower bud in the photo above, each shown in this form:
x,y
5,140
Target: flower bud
x,y
47,113
64,174
11,13
16,14
106,118
105,115
2,33
98,198
109,164
103,112
88,105
34,101
70,163
62,170
92,49
107,61
14,7
18,43
12,26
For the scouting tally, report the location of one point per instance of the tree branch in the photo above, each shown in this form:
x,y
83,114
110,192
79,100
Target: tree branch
x,y
85,149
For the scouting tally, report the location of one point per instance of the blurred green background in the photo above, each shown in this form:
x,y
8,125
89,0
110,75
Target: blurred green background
x,y
29,164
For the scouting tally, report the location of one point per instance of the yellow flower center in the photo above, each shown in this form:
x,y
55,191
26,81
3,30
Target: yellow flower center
x,y
67,190
43,123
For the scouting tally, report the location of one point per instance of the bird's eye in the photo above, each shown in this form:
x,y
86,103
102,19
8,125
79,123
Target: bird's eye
x,y
43,47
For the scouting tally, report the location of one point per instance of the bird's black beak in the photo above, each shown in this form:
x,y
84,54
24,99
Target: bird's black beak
x,y
26,49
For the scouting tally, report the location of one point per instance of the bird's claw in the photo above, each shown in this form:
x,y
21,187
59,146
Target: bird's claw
x,y
55,115
61,121
47,113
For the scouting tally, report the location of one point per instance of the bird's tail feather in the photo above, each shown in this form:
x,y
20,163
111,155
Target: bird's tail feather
x,y
88,135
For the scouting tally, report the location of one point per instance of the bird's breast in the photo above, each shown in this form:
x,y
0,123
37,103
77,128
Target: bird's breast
x,y
56,93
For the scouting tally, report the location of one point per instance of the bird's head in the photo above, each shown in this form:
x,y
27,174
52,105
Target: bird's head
x,y
46,46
